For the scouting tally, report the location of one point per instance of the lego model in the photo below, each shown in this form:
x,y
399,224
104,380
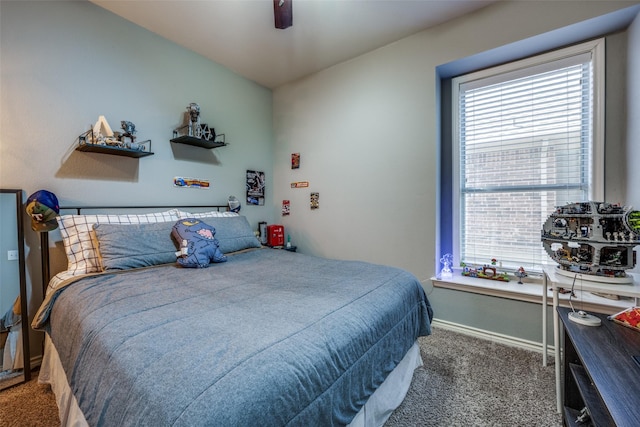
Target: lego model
x,y
199,134
593,238
101,136
489,272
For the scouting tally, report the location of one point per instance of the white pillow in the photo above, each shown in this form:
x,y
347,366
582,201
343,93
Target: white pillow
x,y
76,230
210,214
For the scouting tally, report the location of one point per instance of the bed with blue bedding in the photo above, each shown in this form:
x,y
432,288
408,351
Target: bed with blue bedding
x,y
269,338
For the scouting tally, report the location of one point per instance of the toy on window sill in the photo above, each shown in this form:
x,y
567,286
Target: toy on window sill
x,y
447,262
565,291
520,274
486,272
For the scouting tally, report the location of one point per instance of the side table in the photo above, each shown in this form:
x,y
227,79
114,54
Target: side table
x,y
600,373
551,278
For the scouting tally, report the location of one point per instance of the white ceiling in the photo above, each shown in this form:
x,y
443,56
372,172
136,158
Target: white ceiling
x,y
240,34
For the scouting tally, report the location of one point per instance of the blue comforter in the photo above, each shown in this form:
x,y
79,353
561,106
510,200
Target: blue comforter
x,y
269,338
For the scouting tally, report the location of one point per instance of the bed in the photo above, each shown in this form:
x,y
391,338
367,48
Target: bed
x,y
268,337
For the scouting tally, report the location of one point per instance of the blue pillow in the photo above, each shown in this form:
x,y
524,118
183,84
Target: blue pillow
x,y
125,246
233,233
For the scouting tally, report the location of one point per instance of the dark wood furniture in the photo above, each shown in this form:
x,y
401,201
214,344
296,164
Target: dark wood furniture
x,y
198,142
116,151
600,373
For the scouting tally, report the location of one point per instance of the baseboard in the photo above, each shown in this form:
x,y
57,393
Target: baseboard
x,y
492,336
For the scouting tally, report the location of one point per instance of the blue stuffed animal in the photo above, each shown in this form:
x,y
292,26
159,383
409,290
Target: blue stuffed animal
x,y
197,242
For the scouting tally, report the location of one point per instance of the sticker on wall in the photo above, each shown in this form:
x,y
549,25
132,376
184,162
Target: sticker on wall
x,y
315,200
300,184
295,161
286,207
183,182
255,188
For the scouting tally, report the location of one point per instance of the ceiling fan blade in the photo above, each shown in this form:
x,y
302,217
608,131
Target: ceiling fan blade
x,y
283,13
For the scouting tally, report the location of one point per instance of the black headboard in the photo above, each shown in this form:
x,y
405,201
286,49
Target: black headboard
x,y
79,209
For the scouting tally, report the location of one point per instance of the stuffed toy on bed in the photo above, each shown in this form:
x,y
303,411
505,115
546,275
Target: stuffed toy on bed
x,y
197,243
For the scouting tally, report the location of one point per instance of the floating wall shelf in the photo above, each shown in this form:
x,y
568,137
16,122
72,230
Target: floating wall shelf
x,y
199,142
101,139
116,151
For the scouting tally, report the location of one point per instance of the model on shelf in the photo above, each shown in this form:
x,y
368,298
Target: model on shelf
x,y
593,238
101,138
489,272
196,131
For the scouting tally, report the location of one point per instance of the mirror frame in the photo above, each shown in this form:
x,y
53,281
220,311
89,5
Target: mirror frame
x,y
26,370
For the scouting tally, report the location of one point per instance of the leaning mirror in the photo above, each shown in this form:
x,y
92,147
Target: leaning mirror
x,y
14,321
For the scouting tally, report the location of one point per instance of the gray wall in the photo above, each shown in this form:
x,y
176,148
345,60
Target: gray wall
x,y
522,319
66,63
632,134
368,134
499,315
367,129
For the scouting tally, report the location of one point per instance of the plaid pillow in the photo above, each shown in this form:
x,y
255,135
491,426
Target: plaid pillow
x,y
76,230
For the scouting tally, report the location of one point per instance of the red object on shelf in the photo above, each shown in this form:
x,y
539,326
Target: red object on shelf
x,y
275,235
629,317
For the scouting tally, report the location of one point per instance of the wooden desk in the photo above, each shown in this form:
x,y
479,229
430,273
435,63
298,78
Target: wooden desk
x,y
583,301
600,373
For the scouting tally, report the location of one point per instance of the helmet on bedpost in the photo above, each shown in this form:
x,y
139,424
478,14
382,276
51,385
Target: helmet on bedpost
x,y
43,208
234,204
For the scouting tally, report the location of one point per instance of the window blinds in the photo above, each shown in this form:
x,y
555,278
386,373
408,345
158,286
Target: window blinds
x,y
525,142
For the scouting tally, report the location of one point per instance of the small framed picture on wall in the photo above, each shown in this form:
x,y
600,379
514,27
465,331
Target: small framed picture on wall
x,y
255,188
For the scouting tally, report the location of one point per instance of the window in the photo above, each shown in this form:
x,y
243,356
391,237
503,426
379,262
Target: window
x,y
527,137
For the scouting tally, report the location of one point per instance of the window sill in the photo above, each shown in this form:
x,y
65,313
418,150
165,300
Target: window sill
x,y
530,291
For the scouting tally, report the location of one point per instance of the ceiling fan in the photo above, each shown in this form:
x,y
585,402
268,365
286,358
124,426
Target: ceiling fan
x,y
283,13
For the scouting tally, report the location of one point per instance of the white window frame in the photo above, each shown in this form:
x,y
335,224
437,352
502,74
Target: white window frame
x,y
596,48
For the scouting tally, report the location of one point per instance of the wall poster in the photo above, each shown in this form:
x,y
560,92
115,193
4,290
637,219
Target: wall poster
x,y
179,181
255,188
295,161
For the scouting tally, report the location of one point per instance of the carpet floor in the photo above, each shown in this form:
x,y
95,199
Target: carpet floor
x,y
465,381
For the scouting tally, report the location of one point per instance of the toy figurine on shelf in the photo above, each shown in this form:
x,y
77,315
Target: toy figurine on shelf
x,y
127,138
467,271
193,110
196,133
520,274
447,262
102,139
486,272
593,239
